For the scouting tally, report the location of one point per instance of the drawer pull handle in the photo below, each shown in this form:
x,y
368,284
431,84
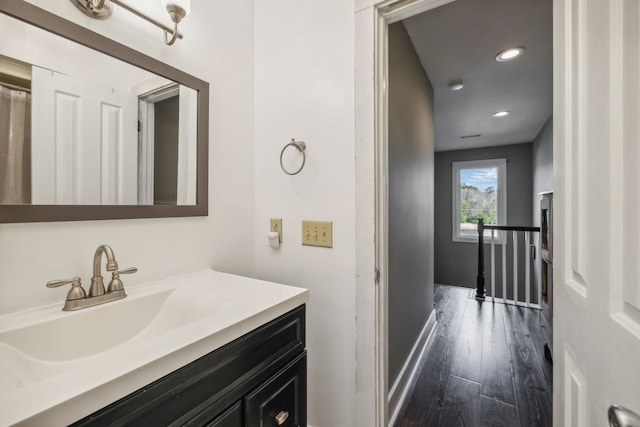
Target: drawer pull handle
x,y
282,417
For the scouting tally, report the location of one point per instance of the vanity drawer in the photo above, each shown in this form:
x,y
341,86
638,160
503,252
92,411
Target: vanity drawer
x,y
231,418
281,401
198,392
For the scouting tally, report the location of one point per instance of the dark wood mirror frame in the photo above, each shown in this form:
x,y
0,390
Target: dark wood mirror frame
x,y
37,17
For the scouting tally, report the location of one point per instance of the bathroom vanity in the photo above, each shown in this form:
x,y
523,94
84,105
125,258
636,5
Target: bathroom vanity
x,y
207,348
257,380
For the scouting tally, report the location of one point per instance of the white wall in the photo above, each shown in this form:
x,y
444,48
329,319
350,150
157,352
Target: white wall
x,y
43,49
216,49
304,83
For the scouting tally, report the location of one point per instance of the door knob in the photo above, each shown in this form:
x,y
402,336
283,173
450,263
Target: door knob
x,y
619,416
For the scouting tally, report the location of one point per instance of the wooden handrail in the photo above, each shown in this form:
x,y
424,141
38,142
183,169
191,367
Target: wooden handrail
x,y
508,227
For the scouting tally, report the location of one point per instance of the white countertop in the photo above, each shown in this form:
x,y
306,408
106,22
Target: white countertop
x,y
208,309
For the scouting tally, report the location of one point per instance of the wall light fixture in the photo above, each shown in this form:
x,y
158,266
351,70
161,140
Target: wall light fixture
x,y
177,9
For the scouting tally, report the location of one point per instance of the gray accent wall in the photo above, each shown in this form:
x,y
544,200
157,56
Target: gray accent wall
x,y
411,204
456,262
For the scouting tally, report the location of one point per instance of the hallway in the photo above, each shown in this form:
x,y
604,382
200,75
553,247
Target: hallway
x,y
484,366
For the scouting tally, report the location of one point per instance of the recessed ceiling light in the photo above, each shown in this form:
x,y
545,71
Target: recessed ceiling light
x,y
501,113
509,54
456,85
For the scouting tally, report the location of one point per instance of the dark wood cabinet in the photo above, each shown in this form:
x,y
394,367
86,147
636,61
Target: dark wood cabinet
x,y
232,417
252,381
277,401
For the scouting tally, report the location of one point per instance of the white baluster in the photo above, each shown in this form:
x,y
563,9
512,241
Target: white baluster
x,y
527,261
539,281
515,267
493,264
504,268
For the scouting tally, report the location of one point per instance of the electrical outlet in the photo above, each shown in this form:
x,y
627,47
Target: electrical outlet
x,y
276,225
317,233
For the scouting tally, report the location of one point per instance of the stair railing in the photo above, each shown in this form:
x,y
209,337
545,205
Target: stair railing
x,y
480,281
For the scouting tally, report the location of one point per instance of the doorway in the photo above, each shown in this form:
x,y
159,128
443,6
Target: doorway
x,y
389,13
594,285
166,146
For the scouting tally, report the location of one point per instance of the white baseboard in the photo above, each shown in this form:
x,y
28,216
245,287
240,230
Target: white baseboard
x,y
407,376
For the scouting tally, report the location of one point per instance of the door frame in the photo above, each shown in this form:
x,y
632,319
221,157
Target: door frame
x,y
371,27
373,18
146,138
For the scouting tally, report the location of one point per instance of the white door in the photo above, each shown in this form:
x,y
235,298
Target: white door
x,y
85,147
187,146
596,356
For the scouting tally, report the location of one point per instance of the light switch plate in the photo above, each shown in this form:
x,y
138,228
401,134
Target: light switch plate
x,y
317,233
276,225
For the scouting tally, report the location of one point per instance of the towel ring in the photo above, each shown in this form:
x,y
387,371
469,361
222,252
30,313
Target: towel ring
x,y
300,146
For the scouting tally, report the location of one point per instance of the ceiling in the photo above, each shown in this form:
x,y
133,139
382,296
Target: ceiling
x,y
460,40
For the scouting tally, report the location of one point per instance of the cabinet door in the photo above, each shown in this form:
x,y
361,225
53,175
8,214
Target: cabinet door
x,y
281,400
231,418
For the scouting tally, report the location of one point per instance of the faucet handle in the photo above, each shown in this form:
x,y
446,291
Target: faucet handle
x,y
116,284
76,291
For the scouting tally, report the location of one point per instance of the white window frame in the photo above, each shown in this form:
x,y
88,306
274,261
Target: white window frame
x,y
456,167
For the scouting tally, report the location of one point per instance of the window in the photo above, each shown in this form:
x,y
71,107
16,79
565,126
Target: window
x,y
479,191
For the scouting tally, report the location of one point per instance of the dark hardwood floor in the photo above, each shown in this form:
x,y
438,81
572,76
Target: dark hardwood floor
x,y
484,366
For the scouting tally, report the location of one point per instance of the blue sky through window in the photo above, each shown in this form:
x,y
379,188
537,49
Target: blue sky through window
x,y
480,178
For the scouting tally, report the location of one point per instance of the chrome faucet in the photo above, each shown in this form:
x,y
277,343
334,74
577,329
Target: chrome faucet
x,y
77,297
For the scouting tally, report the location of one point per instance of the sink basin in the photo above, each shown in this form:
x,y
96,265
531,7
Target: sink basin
x,y
56,367
88,332
48,346
91,331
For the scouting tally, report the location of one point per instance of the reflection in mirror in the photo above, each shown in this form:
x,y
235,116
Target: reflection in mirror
x,y
101,132
166,142
15,132
92,129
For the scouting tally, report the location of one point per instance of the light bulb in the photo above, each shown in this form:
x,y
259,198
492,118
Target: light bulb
x,y
501,113
456,85
509,54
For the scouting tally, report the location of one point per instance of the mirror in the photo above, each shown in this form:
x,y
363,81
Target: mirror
x,y
91,129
